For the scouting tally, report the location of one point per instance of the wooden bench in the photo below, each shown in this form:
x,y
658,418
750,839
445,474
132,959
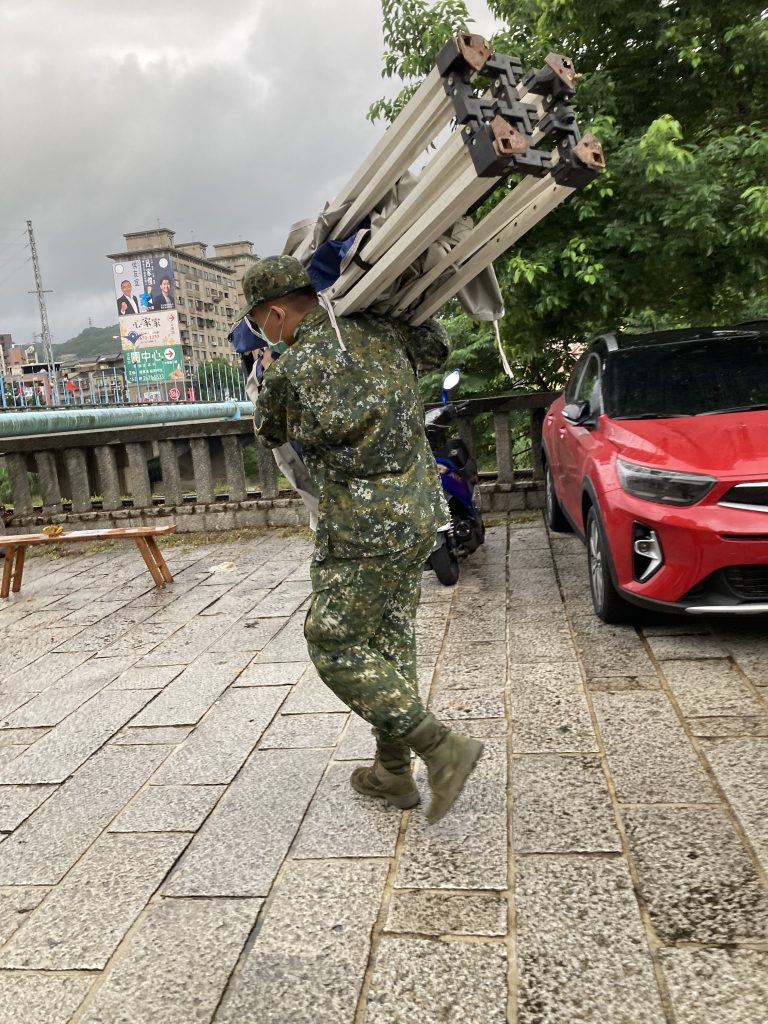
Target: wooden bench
x,y
144,537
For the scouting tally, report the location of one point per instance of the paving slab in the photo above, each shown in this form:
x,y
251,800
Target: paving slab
x,y
686,648
741,768
136,678
16,903
308,959
248,634
67,694
9,702
467,849
18,802
40,674
311,696
192,639
695,876
561,805
434,982
357,742
48,843
611,650
81,922
286,645
61,751
241,846
322,730
457,705
168,809
170,735
41,999
717,986
582,952
177,964
225,737
710,687
447,913
342,823
274,674
717,727
185,700
549,709
481,666
649,755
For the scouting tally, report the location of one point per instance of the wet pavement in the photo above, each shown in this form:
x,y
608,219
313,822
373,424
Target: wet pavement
x,y
179,842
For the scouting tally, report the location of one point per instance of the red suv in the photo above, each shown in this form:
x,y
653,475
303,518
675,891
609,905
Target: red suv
x,y
657,456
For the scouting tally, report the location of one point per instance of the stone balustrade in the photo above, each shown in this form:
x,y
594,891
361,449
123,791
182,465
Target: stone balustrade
x,y
195,473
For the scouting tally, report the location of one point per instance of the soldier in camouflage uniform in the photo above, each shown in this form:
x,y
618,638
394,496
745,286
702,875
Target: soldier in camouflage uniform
x,y
347,391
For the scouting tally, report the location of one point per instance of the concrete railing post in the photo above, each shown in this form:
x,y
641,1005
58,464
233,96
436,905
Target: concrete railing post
x,y
234,468
505,469
139,487
109,478
20,492
169,467
202,469
536,424
77,471
267,472
49,482
466,428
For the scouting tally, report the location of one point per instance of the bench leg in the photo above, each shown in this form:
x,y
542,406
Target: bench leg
x,y
159,560
18,571
157,576
5,587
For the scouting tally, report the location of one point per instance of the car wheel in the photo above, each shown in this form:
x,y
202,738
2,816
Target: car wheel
x,y
606,600
552,509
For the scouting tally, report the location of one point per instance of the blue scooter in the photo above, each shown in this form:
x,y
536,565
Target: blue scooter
x,y
458,476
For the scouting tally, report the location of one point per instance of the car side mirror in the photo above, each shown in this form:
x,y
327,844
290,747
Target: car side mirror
x,y
577,412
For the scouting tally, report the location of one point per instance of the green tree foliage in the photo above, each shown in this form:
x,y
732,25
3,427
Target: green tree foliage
x,y
675,231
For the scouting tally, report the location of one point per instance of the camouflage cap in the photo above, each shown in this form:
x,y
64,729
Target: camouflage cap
x,y
272,278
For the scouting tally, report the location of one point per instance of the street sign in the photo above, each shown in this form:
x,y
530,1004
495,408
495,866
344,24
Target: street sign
x,y
174,394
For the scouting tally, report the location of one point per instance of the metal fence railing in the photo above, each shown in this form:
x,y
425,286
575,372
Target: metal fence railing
x,y
196,382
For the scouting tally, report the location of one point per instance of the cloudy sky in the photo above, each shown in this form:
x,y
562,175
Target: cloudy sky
x,y
217,120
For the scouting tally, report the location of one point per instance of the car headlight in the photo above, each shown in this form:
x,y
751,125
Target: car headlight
x,y
664,486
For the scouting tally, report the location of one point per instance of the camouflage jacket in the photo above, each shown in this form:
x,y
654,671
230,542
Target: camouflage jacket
x,y
359,419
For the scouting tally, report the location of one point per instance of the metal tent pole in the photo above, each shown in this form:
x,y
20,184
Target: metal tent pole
x,y
537,209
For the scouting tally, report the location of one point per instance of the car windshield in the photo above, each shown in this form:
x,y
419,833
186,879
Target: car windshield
x,y
692,378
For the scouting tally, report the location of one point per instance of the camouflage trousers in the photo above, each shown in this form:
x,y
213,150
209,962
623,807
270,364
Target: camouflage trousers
x,y
361,635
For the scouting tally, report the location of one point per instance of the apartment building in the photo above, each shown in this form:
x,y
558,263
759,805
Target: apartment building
x,y
206,289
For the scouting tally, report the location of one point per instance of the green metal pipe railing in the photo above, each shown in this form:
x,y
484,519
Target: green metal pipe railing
x,y
64,421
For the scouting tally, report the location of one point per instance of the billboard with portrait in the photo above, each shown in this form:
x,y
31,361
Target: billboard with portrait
x,y
151,346
144,285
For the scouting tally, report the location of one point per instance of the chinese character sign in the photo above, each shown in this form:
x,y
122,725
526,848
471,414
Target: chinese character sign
x,y
144,285
151,347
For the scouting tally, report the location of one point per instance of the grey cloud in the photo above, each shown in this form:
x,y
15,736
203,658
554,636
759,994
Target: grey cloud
x,y
220,121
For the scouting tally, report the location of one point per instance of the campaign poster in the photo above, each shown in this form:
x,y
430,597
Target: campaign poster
x,y
151,346
144,285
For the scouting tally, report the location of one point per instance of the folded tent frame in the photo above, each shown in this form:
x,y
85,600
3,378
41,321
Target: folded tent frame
x,y
502,118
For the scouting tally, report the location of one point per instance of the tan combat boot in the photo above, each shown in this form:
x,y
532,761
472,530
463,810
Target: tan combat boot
x,y
390,778
449,757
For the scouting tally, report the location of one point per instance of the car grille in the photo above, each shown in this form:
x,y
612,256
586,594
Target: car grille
x,y
749,582
751,495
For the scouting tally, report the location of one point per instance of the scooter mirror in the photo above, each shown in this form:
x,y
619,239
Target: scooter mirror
x,y
451,380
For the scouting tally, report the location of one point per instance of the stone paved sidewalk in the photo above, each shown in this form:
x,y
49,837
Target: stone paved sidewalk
x,y
179,843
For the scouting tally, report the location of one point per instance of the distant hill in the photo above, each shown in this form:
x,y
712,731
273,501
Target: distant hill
x,y
90,343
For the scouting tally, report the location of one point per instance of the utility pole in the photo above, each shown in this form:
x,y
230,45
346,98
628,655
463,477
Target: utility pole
x,y
46,332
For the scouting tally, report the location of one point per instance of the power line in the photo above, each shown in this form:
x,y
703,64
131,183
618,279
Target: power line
x,y
16,270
